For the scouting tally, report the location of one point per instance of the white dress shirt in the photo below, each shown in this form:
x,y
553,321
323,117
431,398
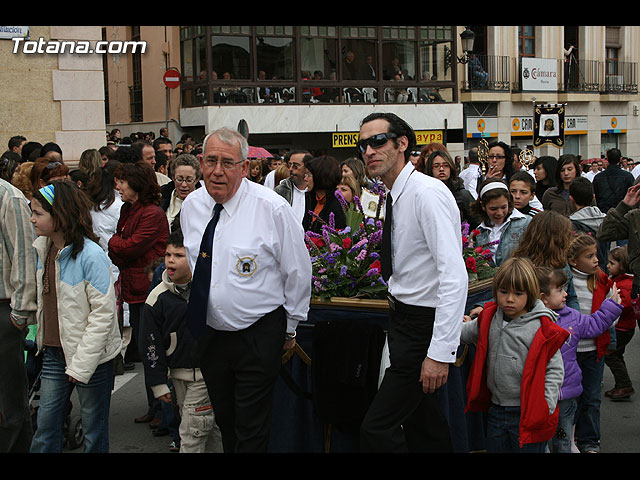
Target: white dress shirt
x,y
428,268
260,260
470,177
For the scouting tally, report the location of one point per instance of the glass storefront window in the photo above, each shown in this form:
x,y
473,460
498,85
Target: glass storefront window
x,y
359,60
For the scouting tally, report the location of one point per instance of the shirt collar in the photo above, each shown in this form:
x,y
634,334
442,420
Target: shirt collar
x,y
231,205
401,181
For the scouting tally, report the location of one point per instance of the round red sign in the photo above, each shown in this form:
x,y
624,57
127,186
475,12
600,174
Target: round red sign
x,y
171,78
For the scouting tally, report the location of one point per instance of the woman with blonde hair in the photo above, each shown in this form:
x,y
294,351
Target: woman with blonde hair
x,y
90,162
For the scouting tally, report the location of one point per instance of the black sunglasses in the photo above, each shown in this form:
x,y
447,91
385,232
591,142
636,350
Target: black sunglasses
x,y
375,141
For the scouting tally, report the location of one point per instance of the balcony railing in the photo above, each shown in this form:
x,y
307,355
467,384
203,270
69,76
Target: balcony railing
x,y
487,72
619,77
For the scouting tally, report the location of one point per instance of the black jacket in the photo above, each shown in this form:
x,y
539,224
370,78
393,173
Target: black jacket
x,y
331,205
610,186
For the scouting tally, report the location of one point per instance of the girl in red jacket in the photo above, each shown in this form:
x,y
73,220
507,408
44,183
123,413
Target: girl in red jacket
x,y
618,267
592,287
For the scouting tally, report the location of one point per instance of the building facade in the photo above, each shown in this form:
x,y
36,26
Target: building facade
x,y
309,86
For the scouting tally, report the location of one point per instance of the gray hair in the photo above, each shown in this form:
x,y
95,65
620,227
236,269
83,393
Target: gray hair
x,y
230,137
186,160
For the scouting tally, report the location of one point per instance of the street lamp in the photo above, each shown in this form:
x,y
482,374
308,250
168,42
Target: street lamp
x,y
466,38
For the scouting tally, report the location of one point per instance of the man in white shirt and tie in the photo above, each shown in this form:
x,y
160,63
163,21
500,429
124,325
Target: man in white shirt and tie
x,y
258,292
427,294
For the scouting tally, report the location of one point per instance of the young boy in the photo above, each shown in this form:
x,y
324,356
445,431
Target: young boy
x,y
168,349
517,370
587,217
523,190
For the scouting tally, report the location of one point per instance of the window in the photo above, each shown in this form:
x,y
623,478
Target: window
x,y
359,54
436,45
230,57
527,41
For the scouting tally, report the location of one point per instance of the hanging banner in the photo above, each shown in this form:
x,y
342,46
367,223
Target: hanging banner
x,y
548,125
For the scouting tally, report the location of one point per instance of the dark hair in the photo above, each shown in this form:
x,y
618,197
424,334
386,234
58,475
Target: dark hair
x,y
581,190
161,160
396,126
357,166
563,160
142,179
8,164
28,148
15,141
476,207
160,141
79,175
126,154
473,155
138,146
549,278
176,238
508,158
621,255
108,152
71,214
101,187
524,177
549,164
326,173
50,147
613,156
453,182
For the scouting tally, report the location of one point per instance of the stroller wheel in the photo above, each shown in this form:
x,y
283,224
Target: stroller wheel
x,y
74,434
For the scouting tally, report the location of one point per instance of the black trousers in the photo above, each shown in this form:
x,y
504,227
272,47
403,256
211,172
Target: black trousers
x,y
16,428
240,369
402,418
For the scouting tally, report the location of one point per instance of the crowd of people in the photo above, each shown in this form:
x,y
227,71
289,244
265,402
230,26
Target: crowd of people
x,y
111,263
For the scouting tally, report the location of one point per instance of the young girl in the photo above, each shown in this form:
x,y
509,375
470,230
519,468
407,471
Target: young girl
x,y
77,328
501,222
517,370
553,295
546,242
618,267
592,287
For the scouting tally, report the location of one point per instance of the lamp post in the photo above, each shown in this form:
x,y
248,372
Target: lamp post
x,y
466,39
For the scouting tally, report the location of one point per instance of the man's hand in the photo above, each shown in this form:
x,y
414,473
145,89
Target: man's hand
x,y
166,398
632,197
433,375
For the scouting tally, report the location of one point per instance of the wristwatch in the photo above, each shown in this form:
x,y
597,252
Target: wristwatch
x,y
289,336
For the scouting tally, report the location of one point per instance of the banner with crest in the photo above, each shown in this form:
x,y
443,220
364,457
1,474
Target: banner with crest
x,y
548,125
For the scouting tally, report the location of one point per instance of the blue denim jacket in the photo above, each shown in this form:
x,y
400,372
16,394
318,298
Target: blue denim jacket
x,y
510,238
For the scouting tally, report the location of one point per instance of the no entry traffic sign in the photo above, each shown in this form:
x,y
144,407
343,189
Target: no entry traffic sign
x,y
171,78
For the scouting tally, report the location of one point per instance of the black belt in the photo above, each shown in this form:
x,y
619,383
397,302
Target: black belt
x,y
397,306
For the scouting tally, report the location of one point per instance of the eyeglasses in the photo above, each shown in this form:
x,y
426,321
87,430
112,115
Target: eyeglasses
x,y
188,180
227,164
375,141
438,166
499,157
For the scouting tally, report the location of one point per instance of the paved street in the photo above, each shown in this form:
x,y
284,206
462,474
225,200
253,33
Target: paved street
x,y
620,421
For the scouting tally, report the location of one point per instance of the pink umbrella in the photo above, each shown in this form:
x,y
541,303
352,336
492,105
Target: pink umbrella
x,y
258,152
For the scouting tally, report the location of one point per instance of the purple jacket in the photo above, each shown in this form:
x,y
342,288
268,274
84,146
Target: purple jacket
x,y
581,326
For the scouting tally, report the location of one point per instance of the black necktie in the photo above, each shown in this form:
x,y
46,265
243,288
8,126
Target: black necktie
x,y
201,283
385,258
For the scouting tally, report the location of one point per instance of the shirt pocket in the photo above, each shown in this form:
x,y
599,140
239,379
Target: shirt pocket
x,y
244,265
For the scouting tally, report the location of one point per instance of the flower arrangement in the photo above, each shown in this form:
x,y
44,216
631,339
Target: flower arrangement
x,y
345,263
476,257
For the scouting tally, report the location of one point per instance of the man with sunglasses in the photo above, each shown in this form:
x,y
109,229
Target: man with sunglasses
x,y
427,292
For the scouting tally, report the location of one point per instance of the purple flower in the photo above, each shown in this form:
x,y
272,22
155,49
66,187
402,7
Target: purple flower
x,y
343,270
